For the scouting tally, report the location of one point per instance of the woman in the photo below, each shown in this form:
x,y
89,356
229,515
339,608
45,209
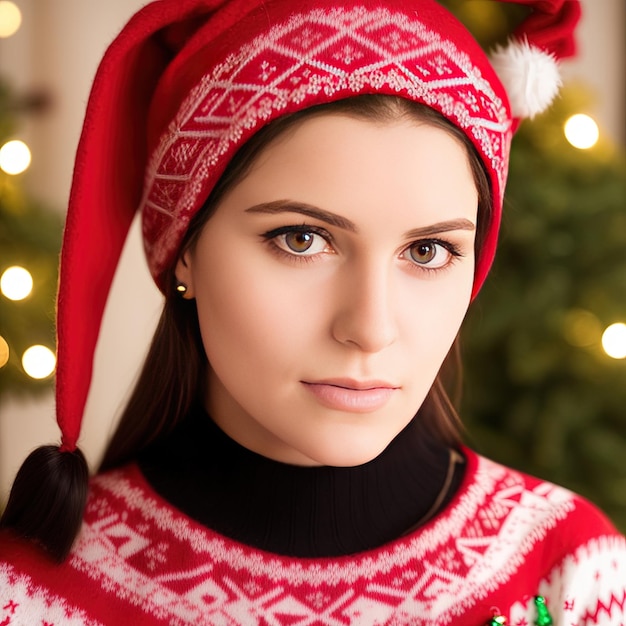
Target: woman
x,y
321,193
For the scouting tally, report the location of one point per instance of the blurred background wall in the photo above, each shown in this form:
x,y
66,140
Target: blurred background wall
x,y
57,50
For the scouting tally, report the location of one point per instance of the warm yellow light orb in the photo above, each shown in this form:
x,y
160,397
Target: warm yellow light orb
x,y
16,283
582,131
4,352
614,341
10,18
39,362
14,157
581,328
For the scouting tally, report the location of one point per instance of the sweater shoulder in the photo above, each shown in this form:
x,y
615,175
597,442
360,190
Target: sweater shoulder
x,y
584,519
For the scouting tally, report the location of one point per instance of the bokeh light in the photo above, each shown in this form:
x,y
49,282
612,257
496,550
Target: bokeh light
x,y
14,157
582,131
614,341
10,18
16,283
581,328
39,362
4,352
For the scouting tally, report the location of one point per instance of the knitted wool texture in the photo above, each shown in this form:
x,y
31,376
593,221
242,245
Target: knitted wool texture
x,y
505,539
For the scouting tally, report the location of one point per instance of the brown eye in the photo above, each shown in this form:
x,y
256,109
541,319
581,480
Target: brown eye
x,y
299,241
431,254
423,252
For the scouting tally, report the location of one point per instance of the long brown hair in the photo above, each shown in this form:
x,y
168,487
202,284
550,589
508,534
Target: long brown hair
x,y
175,370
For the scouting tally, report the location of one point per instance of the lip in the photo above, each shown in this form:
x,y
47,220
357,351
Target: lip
x,y
351,395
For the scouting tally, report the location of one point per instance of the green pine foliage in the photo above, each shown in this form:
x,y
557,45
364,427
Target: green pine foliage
x,y
540,393
30,236
490,22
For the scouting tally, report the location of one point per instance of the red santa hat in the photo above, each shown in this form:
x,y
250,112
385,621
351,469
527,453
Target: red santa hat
x,y
187,82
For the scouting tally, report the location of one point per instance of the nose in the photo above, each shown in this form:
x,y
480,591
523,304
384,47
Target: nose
x,y
364,312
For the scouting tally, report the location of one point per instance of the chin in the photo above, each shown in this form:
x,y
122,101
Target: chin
x,y
349,455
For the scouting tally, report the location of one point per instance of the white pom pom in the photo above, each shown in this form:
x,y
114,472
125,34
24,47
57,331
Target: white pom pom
x,y
529,75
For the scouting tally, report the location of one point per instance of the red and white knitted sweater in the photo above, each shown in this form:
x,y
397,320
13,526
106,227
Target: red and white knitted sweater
x,y
504,539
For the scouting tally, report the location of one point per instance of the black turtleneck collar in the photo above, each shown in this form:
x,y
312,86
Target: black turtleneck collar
x,y
301,511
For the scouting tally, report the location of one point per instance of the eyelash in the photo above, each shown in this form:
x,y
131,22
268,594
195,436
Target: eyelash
x,y
452,249
270,237
303,229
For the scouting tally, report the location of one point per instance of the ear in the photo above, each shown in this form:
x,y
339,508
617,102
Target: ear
x,y
184,274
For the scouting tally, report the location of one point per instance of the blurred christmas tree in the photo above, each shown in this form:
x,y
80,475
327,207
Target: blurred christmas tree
x,y
540,392
30,238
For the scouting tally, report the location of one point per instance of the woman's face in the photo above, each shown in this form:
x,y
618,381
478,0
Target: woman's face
x,y
330,284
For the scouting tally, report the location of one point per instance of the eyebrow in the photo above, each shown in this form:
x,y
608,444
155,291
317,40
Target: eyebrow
x,y
441,227
288,206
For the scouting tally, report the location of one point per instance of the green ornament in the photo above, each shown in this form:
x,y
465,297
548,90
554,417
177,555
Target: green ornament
x,y
543,615
497,620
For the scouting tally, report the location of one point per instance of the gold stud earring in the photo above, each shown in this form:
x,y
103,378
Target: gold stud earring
x,y
181,288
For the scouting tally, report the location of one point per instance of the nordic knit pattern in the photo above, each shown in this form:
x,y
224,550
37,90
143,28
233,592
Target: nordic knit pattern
x,y
505,538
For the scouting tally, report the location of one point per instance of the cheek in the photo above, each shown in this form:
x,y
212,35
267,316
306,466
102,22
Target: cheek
x,y
432,316
249,316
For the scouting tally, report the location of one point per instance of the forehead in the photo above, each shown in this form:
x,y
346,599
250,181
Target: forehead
x,y
358,167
